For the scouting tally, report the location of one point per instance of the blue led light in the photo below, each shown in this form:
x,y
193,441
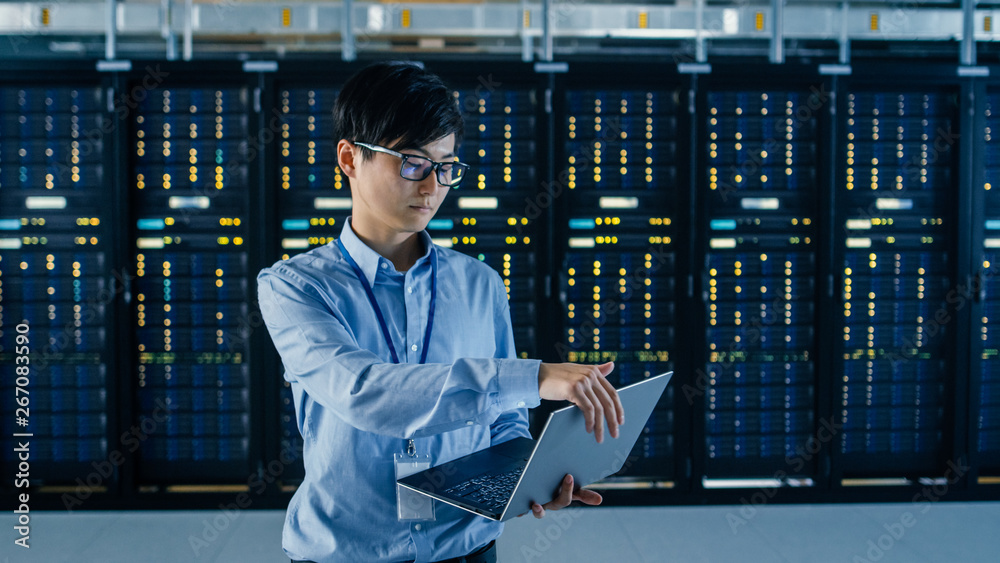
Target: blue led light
x,y
151,224
581,223
441,224
723,224
295,224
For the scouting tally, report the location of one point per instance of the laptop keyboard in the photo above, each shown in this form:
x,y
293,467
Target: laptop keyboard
x,y
491,490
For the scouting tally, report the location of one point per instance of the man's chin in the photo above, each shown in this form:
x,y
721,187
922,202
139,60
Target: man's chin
x,y
419,217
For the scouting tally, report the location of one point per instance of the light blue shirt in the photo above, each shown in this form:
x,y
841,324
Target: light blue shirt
x,y
355,408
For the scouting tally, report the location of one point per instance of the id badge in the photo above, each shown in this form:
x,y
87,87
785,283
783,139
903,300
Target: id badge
x,y
410,505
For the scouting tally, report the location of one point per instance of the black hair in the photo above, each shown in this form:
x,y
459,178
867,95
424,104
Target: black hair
x,y
392,100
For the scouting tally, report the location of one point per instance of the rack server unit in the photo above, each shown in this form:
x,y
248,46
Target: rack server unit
x,y
56,242
617,175
759,273
895,236
985,375
188,175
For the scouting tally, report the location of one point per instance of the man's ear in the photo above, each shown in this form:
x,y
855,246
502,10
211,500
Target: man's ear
x,y
347,155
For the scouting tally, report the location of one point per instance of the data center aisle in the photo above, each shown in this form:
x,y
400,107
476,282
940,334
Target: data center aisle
x,y
789,533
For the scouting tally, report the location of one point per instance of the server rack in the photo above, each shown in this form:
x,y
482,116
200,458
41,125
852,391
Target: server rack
x,y
980,293
896,218
620,193
190,177
759,181
58,274
964,439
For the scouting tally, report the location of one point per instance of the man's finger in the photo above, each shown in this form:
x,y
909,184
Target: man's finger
x,y
587,496
583,401
566,491
598,414
617,400
537,510
609,411
564,495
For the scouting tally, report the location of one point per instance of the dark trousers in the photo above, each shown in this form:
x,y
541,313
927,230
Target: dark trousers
x,y
485,554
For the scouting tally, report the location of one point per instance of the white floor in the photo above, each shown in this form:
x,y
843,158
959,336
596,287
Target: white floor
x,y
941,532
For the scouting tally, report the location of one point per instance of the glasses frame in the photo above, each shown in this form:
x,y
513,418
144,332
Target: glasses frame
x,y
434,169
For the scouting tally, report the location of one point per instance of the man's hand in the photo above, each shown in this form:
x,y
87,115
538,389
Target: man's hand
x,y
565,495
586,387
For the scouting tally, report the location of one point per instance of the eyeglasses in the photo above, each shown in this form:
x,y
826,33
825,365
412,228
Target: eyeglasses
x,y
416,168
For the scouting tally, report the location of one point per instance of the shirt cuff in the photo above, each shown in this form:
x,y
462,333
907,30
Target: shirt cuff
x,y
518,381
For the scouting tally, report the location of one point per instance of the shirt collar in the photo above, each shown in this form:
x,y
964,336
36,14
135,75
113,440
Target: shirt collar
x,y
370,261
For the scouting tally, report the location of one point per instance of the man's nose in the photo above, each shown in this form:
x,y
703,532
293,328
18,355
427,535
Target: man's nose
x,y
429,185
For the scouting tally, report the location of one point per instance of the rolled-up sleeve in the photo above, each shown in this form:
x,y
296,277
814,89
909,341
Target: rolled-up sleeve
x,y
319,352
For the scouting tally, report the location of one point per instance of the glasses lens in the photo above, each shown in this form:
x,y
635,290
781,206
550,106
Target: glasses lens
x,y
415,168
450,174
446,174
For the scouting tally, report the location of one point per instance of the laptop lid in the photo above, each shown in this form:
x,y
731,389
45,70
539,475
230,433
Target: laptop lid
x,y
565,447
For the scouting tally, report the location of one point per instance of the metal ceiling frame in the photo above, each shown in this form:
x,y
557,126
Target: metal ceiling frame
x,y
536,30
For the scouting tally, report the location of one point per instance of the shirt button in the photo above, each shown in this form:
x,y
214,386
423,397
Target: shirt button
x,y
384,265
410,289
416,527
414,347
469,423
520,403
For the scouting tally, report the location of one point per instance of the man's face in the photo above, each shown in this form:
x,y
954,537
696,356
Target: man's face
x,y
382,195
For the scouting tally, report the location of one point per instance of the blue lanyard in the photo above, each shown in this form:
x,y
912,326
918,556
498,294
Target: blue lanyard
x,y
378,310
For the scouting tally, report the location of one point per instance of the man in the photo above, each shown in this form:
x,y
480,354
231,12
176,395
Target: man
x,y
393,345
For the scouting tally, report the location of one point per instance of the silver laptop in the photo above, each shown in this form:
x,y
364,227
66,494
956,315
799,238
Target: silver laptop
x,y
502,481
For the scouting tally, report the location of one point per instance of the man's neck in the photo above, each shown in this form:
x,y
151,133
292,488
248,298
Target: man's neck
x,y
402,249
